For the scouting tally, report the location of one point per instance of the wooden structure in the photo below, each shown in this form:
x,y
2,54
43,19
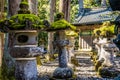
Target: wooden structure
x,y
87,21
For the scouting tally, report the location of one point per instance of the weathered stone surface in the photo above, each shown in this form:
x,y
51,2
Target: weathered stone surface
x,y
63,73
23,52
117,78
107,72
61,43
106,50
26,69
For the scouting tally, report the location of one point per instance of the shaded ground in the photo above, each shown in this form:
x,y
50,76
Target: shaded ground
x,y
84,72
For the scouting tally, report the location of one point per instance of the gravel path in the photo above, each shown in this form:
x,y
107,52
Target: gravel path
x,y
84,72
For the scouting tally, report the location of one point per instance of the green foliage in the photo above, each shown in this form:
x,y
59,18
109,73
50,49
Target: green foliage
x,y
43,9
92,3
74,10
107,30
62,24
42,39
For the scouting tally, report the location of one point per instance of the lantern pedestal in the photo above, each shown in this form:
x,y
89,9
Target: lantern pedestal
x,y
24,51
63,71
25,69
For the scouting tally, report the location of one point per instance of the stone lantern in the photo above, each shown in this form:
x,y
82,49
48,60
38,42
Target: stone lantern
x,y
24,28
59,26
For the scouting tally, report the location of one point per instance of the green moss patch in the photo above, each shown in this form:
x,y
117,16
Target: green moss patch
x,y
106,30
22,21
62,24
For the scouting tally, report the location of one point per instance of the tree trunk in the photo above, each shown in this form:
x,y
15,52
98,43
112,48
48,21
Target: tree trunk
x,y
65,8
1,34
13,7
33,6
50,34
1,9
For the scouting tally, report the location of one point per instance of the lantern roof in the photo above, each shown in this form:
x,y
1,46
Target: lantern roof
x,y
24,20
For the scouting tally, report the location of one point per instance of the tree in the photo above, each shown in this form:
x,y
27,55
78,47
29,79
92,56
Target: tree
x,y
50,34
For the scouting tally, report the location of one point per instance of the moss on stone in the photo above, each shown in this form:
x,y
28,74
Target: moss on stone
x,y
106,30
71,33
19,21
62,24
23,20
59,16
38,61
24,3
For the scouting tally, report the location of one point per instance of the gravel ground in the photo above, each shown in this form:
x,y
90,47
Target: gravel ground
x,y
84,72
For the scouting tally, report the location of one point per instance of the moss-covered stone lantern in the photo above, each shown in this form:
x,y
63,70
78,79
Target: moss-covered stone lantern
x,y
59,26
24,27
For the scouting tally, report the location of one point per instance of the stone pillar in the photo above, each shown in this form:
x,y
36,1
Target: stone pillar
x,y
62,72
26,69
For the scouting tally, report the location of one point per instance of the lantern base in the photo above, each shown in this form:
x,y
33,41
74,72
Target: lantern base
x,y
63,73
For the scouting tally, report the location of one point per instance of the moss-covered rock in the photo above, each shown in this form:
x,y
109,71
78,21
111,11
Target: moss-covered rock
x,y
24,5
106,72
106,30
61,25
23,20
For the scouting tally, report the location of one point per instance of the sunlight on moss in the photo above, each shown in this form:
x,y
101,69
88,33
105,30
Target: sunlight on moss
x,y
106,30
62,24
71,33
